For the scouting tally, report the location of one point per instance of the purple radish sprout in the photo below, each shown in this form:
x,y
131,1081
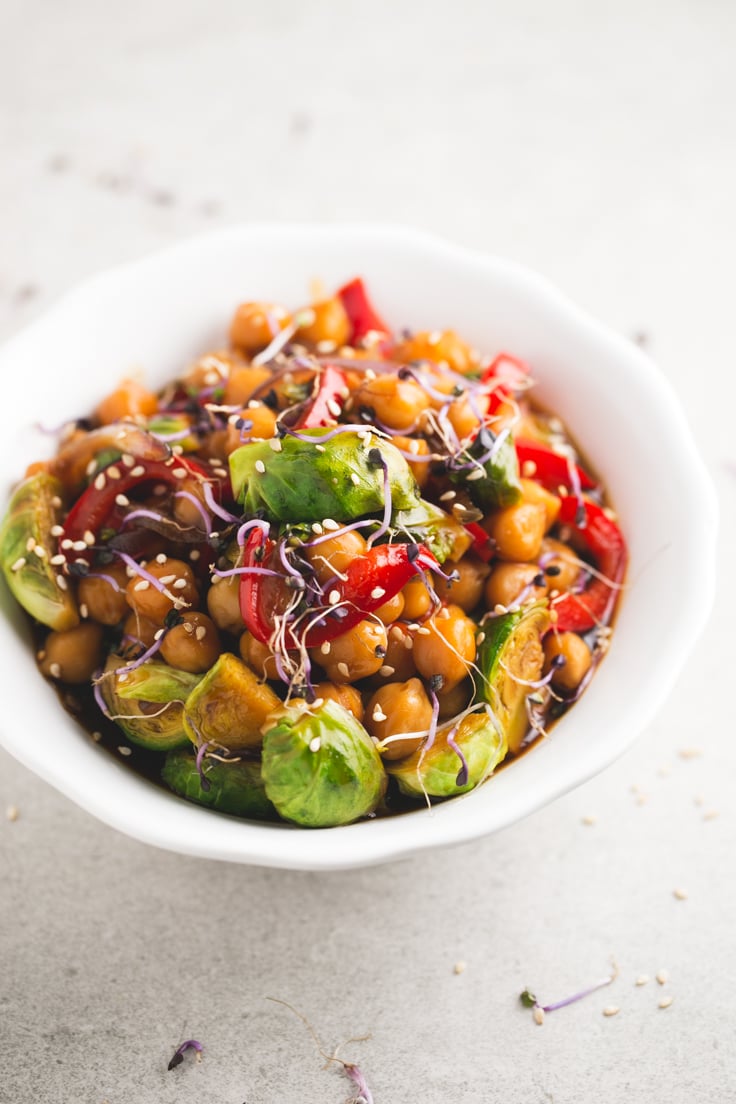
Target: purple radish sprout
x,y
178,1056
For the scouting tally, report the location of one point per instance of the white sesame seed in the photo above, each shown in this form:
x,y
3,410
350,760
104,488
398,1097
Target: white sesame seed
x,y
127,460
699,799
142,584
480,638
377,592
158,634
88,537
315,743
611,1010
476,473
194,554
589,820
423,631
334,408
386,671
161,558
344,670
528,469
330,525
690,752
56,502
100,481
408,643
643,979
333,597
369,373
30,544
61,582
443,614
19,563
663,977
325,647
12,813
324,347
79,546
500,609
188,628
122,500
84,610
412,626
275,444
200,632
378,714
112,472
317,528
91,466
57,530
666,1002
414,447
447,496
355,478
166,579
179,473
179,584
459,967
538,1015
711,814
260,466
125,750
679,894
55,670
138,470
130,571
253,404
319,448
58,559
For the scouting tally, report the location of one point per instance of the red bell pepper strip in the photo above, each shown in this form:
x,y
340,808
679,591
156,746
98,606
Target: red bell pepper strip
x,y
503,376
606,544
551,469
362,314
331,388
97,504
370,580
482,543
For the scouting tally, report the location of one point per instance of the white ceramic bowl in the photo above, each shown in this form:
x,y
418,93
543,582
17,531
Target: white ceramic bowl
x,y
157,314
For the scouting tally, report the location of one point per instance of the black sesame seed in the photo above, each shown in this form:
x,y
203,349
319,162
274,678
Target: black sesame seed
x,y
366,414
271,400
78,569
412,552
436,682
552,570
375,458
380,651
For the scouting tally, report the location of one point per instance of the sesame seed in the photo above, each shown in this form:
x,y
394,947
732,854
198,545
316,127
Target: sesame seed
x,y
188,628
386,671
161,558
355,478
711,814
443,614
459,967
113,472
412,626
333,597
377,592
58,559
55,670
30,544
370,374
124,750
330,525
666,1002
194,554
499,609
96,736
80,546
179,473
334,408
408,643
690,752
84,610
130,571
158,634
57,530
179,584
344,670
611,1010
56,502
138,470
127,460
253,404
61,582
315,743
679,894
166,579
643,979
142,584
121,500
699,799
326,346
275,444
480,638
528,469
90,466
477,473
378,714
319,448
317,528
19,563
447,496
88,538
12,813
200,632
325,647
589,820
414,447
100,481
663,977
423,631
538,1015
260,467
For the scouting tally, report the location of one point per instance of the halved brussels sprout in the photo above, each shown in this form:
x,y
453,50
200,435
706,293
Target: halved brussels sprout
x,y
229,706
174,427
440,772
309,481
26,547
510,657
235,788
500,485
150,723
321,767
427,524
155,681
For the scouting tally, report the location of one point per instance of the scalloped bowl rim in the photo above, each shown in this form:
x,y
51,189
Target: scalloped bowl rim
x,y
594,379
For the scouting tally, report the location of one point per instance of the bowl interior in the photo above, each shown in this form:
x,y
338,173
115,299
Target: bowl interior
x,y
158,314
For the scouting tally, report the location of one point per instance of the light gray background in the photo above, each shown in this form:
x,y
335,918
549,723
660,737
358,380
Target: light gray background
x,y
595,143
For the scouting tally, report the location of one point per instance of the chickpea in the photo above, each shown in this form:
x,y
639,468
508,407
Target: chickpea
x,y
577,657
400,707
185,510
536,493
346,696
518,531
213,446
466,591
105,602
223,604
356,654
211,370
448,648
390,611
331,324
418,447
255,325
396,402
463,417
417,599
243,382
138,630
564,560
178,579
399,654
74,654
258,656
193,645
508,581
454,701
332,557
256,422
438,346
131,400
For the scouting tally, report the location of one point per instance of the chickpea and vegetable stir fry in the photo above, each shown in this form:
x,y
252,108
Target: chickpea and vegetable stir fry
x,y
331,571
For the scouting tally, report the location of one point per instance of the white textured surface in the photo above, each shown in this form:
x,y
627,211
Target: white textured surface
x,y
594,146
